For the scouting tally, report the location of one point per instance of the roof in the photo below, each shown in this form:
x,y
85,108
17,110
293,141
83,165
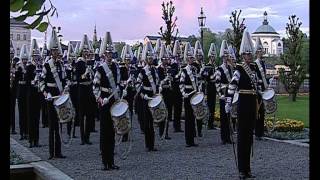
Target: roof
x,y
17,23
265,28
157,37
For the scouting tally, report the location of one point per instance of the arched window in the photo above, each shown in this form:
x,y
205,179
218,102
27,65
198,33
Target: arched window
x,y
279,44
18,37
265,44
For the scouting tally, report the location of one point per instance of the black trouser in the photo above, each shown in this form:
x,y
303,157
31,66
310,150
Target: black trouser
x,y
23,114
13,108
107,135
139,110
259,125
44,111
177,107
33,104
167,98
148,125
190,130
224,123
74,100
54,135
211,101
247,116
86,111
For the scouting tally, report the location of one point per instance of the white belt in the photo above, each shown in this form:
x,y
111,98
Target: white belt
x,y
52,85
188,86
33,82
107,90
147,88
85,83
22,82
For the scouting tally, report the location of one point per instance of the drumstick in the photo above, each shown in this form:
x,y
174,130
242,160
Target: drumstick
x,y
54,97
192,92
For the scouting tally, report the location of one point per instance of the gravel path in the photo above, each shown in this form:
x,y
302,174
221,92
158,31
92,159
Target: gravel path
x,y
211,160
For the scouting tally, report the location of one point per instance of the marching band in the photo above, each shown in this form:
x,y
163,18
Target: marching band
x,y
152,83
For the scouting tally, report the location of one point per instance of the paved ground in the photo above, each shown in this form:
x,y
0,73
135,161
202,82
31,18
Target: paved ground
x,y
211,160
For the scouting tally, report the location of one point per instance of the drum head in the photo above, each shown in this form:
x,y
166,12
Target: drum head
x,y
119,108
62,99
197,98
268,94
155,101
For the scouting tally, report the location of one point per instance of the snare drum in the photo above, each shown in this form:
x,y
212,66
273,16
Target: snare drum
x,y
234,105
198,105
269,101
158,108
64,108
121,117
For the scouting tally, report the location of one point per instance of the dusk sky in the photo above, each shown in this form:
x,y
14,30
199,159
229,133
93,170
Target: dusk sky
x,y
132,20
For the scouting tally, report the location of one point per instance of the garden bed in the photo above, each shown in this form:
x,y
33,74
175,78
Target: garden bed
x,y
288,135
15,158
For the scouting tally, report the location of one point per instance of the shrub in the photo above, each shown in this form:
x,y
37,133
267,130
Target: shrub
x,y
284,125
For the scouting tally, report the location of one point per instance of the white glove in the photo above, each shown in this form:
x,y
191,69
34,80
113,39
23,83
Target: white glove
x,y
185,95
49,97
221,97
146,97
124,93
227,107
105,101
66,89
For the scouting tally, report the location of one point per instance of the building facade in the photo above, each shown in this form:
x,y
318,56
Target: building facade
x,y
270,39
19,35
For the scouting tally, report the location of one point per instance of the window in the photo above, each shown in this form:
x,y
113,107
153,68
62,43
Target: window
x,y
11,36
18,37
279,44
266,50
24,37
18,51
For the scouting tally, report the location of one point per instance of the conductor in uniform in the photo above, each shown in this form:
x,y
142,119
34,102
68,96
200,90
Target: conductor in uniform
x,y
245,81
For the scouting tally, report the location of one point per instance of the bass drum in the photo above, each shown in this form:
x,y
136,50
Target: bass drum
x,y
157,108
198,105
121,117
234,105
64,108
269,101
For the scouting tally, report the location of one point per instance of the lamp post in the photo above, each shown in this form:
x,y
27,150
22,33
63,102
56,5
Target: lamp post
x,y
202,22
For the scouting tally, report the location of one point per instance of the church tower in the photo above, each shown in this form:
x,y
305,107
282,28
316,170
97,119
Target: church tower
x,y
95,42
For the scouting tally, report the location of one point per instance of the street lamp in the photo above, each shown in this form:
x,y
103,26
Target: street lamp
x,y
202,22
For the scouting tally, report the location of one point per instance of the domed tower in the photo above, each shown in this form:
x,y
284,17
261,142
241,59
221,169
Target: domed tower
x,y
271,41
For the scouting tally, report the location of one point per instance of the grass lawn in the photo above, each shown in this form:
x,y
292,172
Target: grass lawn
x,y
298,110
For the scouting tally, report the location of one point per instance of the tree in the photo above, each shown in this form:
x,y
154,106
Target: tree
x,y
118,48
192,40
208,38
167,14
293,58
34,8
234,37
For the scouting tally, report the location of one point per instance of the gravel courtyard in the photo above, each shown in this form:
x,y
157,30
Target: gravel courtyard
x,y
210,160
